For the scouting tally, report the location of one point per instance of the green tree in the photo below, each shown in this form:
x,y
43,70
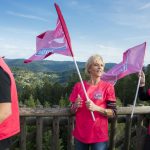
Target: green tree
x,y
46,104
56,93
63,102
126,89
30,102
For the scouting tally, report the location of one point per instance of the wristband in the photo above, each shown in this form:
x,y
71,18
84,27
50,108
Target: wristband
x,y
105,112
74,108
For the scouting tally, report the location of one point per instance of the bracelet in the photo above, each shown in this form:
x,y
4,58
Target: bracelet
x,y
74,108
142,84
105,112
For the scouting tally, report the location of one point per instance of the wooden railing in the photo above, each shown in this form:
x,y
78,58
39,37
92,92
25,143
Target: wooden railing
x,y
55,118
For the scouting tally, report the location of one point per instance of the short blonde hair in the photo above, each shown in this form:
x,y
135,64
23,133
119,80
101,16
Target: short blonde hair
x,y
90,61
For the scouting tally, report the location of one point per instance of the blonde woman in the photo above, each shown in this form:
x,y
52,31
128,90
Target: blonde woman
x,y
102,102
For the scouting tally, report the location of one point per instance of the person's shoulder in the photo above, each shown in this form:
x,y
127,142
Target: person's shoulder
x,y
79,84
106,83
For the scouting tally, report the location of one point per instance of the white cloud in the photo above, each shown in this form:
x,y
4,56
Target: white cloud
x,y
16,48
15,30
73,3
6,46
1,39
79,6
26,16
84,49
142,38
110,53
106,47
146,6
82,37
140,21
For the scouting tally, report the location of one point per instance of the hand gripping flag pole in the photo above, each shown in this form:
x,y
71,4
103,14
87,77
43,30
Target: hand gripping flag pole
x,y
69,44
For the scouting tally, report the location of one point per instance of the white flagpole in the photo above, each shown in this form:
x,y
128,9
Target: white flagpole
x,y
83,86
62,24
137,89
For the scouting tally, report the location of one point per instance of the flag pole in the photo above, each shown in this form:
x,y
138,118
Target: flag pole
x,y
68,41
135,99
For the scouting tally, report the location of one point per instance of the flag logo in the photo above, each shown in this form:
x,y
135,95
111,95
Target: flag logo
x,y
97,95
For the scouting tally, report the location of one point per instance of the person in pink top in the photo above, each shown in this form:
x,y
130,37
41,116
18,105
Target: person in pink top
x,y
102,102
9,108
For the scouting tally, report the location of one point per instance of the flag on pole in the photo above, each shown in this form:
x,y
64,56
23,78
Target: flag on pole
x,y
132,62
54,41
69,44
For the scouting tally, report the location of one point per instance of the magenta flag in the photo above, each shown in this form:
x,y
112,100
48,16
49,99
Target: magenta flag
x,y
54,41
64,27
132,62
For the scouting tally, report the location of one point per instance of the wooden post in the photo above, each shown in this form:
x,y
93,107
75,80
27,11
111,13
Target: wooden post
x,y
39,135
55,134
113,133
139,133
23,133
70,143
127,133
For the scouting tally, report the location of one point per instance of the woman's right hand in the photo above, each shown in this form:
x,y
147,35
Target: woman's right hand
x,y
142,80
78,102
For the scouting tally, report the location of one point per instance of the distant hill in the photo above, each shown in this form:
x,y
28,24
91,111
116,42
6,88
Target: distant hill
x,y
48,65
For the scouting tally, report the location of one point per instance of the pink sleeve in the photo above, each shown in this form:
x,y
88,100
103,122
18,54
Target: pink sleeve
x,y
74,93
111,93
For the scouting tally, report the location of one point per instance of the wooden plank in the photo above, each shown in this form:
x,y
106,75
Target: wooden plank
x,y
51,112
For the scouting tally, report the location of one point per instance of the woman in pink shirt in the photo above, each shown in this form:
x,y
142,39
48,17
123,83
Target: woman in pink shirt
x,y
102,102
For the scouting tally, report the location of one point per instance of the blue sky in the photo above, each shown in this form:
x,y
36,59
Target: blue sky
x,y
106,27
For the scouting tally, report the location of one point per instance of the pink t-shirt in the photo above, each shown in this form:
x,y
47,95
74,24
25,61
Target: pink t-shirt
x,y
86,130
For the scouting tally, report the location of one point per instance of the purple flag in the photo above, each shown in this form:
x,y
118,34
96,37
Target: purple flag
x,y
132,62
54,41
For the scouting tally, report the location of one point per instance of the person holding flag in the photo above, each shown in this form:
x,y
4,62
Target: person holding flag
x,y
9,109
144,95
102,102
